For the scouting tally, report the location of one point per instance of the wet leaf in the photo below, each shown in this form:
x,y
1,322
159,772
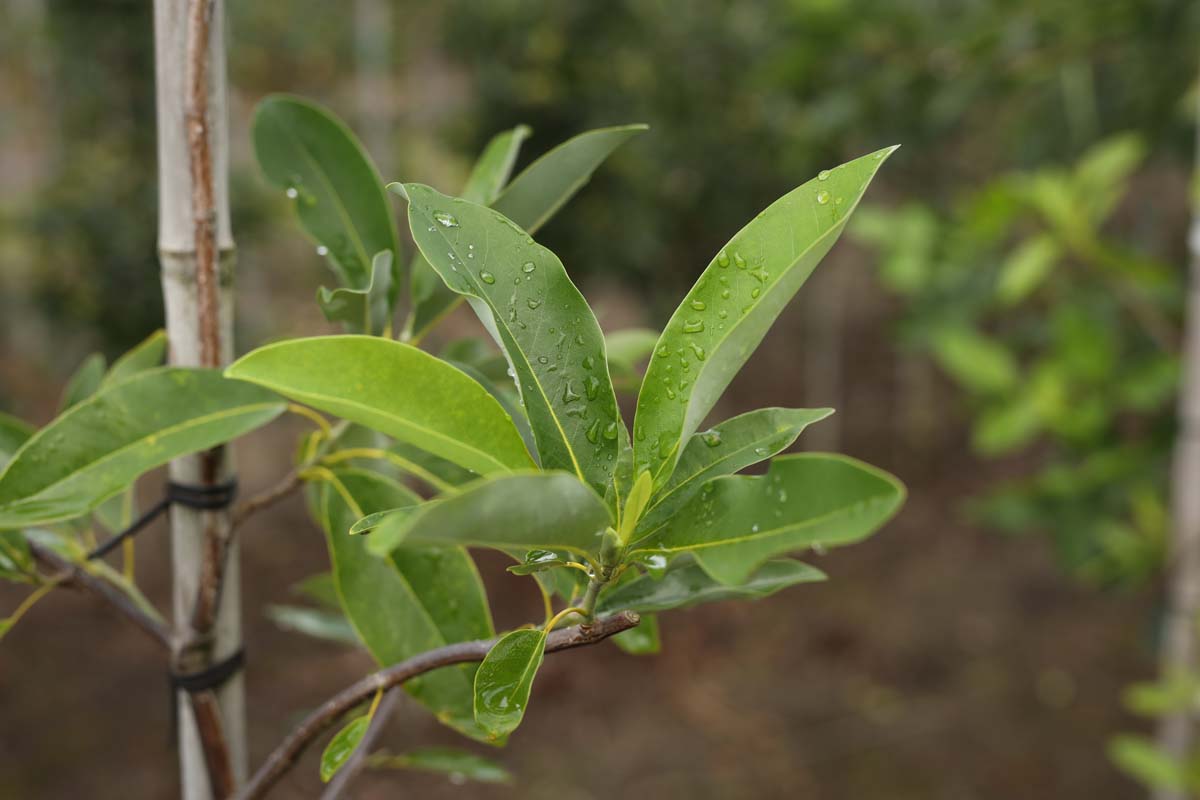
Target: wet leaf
x,y
505,679
687,584
342,746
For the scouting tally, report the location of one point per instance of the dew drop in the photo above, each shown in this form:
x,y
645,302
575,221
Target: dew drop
x,y
569,394
822,197
693,326
725,294
591,386
610,431
823,175
593,433
722,259
445,220
698,305
543,360
528,267
292,193
486,276
737,259
533,303
663,351
722,313
711,437
589,362
322,250
755,292
699,351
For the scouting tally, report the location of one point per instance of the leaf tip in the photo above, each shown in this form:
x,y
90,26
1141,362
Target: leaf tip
x,y
396,187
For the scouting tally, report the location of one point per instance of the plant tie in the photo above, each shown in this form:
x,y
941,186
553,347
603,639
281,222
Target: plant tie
x,y
200,498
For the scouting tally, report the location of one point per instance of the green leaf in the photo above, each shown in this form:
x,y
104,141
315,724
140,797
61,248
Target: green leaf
x,y
393,388
525,299
319,588
84,383
686,584
16,562
737,522
1026,269
458,765
644,640
980,364
314,622
365,310
540,510
342,746
1139,758
305,150
540,190
737,299
504,680
728,448
635,504
100,446
13,433
416,600
148,354
539,561
627,347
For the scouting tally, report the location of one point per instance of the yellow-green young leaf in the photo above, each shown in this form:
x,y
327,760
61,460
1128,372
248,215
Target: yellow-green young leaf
x,y
542,510
733,304
1141,759
686,584
395,389
458,765
100,446
148,354
365,310
536,194
504,680
84,383
635,504
730,447
342,746
525,299
13,433
306,151
737,522
416,600
980,364
644,640
1026,269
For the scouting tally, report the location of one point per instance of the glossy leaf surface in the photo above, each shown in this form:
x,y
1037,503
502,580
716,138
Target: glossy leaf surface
x,y
736,522
100,446
504,680
686,584
726,314
524,297
342,746
395,389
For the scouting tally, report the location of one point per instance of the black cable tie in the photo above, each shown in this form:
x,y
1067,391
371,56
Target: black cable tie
x,y
213,676
201,498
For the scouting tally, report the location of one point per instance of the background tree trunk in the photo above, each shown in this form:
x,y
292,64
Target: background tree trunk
x,y
181,250
1177,730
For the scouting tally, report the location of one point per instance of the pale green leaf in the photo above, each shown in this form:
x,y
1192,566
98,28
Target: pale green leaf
x,y
458,765
395,389
728,312
317,623
100,446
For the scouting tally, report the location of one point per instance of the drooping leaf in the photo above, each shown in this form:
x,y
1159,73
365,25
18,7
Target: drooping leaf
x,y
524,297
100,446
737,522
540,190
329,626
685,584
416,600
148,354
542,510
644,640
504,680
733,304
725,449
13,433
395,389
365,310
336,192
458,765
84,383
545,185
342,746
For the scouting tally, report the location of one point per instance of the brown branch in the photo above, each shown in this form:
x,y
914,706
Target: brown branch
x,y
75,576
354,765
204,212
207,711
285,755
267,498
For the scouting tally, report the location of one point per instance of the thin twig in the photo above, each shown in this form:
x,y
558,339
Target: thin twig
x,y
285,755
358,760
267,498
74,575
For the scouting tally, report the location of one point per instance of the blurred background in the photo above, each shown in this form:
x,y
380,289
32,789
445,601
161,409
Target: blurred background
x,y
1000,327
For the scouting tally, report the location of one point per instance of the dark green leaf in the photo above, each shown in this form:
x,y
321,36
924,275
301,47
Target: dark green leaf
x,y
395,389
686,584
737,299
100,446
337,195
543,510
524,297
416,600
504,680
810,499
